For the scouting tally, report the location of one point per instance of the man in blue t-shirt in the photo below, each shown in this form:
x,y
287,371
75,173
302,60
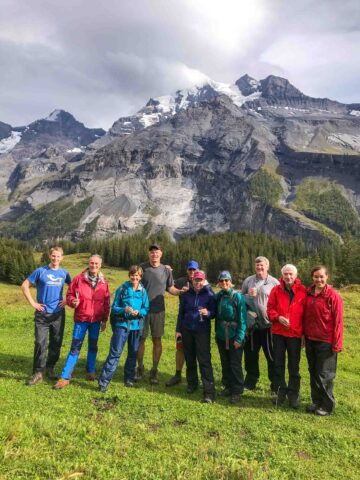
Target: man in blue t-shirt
x,y
49,306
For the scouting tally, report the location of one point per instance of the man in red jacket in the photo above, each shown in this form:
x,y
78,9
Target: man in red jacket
x,y
323,330
285,310
89,294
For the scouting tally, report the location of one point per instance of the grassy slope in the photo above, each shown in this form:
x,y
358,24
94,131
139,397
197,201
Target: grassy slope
x,y
162,433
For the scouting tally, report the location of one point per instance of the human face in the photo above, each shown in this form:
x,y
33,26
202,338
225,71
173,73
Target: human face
x,y
289,277
320,278
155,256
225,283
135,278
94,265
55,258
198,284
261,269
190,273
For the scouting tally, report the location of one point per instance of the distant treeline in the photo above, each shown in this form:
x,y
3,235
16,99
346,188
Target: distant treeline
x,y
232,251
16,260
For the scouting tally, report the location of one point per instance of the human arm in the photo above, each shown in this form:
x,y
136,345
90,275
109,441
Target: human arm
x,y
25,287
241,314
273,310
337,308
72,295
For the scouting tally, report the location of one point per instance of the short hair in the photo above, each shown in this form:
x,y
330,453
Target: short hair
x,y
289,266
262,260
56,249
135,269
96,255
319,267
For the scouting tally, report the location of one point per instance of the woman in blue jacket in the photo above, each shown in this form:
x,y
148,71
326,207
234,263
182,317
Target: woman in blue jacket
x,y
197,307
128,311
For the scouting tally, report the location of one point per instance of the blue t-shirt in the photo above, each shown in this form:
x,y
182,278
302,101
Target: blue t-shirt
x,y
49,285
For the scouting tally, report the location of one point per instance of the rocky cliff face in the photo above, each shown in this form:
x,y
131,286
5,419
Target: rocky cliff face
x,y
213,158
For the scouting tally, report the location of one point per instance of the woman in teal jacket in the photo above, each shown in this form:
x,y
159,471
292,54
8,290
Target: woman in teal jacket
x,y
230,330
128,311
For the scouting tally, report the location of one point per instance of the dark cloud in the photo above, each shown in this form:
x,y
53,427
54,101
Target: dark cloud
x,y
102,61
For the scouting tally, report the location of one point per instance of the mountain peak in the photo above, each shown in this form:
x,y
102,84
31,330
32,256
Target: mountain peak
x,y
247,85
273,86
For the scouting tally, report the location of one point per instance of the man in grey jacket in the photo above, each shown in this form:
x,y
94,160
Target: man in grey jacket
x,y
258,287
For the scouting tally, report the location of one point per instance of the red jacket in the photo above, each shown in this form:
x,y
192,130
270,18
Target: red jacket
x,y
323,319
279,304
94,303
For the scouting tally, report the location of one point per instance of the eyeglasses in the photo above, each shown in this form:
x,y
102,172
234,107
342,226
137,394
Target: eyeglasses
x,y
224,280
191,269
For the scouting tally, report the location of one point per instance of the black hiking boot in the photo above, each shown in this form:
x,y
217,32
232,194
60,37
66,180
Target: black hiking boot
x,y
51,374
153,377
175,380
139,374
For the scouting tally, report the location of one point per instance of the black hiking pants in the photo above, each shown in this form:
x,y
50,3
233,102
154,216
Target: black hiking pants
x,y
49,332
292,347
322,368
231,368
197,348
255,341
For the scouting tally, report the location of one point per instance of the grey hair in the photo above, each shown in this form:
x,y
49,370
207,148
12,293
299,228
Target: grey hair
x,y
262,260
289,266
96,255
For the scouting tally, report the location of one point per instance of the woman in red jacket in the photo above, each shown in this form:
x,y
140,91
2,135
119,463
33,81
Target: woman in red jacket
x,y
323,330
285,310
89,294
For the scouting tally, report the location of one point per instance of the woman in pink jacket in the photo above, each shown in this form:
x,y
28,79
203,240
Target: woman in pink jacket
x,y
323,330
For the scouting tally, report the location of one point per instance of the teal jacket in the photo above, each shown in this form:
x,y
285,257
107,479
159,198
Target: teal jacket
x,y
230,309
125,296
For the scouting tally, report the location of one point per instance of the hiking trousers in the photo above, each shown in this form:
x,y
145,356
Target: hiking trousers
x,y
255,341
49,332
231,366
322,368
79,332
196,347
119,338
290,347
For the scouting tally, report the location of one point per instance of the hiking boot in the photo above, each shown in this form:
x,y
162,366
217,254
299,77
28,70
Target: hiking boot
x,y
37,377
129,384
175,380
207,399
322,413
139,373
235,398
311,408
225,392
51,374
191,388
91,376
61,383
294,402
153,377
102,388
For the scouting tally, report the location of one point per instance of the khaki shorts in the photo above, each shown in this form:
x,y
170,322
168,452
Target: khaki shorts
x,y
156,323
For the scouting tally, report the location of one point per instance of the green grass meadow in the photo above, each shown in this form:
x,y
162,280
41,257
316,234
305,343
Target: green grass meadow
x,y
163,433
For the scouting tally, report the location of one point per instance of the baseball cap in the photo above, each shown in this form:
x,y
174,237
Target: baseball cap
x,y
192,264
200,275
224,275
154,246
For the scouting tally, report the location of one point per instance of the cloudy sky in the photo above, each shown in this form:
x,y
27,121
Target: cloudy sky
x,y
103,60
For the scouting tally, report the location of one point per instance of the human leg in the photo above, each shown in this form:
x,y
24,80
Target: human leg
x,y
93,336
236,371
189,344
41,341
251,355
280,387
133,342
56,331
203,355
117,344
267,346
293,347
325,371
79,333
225,363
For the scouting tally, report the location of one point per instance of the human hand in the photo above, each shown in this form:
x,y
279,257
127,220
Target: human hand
x,y
203,311
40,307
62,304
135,313
252,292
103,326
284,321
237,345
128,309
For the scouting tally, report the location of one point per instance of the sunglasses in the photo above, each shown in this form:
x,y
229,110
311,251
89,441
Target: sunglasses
x,y
224,280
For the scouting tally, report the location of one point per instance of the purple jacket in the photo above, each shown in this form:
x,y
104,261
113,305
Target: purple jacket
x,y
189,316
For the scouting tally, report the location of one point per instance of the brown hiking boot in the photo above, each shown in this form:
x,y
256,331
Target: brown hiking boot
x,y
61,383
91,376
37,377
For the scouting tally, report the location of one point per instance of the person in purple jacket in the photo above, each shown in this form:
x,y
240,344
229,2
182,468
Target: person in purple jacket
x,y
197,307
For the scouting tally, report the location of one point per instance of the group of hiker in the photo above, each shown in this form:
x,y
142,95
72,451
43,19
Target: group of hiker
x,y
278,317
